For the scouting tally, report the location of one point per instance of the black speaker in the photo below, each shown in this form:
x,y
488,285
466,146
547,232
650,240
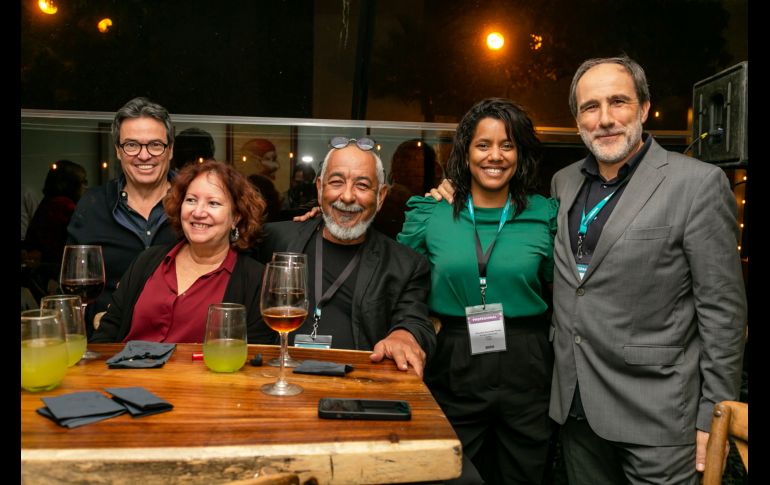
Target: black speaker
x,y
720,117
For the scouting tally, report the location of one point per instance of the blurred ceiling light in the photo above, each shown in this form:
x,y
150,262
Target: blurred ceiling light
x,y
495,41
104,25
307,159
47,6
536,41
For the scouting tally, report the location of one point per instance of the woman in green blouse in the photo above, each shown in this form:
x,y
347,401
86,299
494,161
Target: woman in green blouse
x,y
491,256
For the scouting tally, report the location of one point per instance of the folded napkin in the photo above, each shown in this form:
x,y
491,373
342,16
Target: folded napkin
x,y
322,368
138,354
79,408
139,401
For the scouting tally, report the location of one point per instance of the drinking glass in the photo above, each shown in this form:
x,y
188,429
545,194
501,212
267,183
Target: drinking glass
x,y
224,345
43,350
71,313
283,303
288,257
82,274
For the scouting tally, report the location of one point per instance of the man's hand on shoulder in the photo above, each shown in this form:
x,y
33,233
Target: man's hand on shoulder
x,y
401,346
445,190
307,215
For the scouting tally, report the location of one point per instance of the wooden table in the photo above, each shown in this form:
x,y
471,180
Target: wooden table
x,y
223,428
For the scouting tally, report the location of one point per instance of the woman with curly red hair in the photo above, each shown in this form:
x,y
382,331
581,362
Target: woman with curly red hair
x,y
165,294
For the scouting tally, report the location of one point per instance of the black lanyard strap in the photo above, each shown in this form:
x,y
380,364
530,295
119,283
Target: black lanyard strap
x,y
325,297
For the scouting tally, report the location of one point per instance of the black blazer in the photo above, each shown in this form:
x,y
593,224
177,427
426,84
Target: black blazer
x,y
243,287
391,290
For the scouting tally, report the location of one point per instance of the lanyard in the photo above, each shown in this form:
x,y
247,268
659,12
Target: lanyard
x,y
321,301
587,219
482,258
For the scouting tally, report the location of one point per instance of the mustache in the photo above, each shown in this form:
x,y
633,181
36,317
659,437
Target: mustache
x,y
599,133
339,205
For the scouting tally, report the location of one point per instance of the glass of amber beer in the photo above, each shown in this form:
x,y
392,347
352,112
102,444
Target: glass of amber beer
x,y
283,303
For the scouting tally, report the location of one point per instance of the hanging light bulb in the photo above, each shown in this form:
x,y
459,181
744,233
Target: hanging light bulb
x,y
47,6
104,25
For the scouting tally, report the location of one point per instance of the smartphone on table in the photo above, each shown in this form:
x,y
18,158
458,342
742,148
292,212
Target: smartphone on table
x,y
345,408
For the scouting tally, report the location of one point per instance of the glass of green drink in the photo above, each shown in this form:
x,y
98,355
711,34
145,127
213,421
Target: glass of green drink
x,y
224,345
70,311
43,350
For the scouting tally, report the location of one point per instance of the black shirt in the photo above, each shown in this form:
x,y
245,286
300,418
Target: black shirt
x,y
336,313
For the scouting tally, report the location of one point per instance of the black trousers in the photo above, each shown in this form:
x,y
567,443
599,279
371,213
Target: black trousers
x,y
497,402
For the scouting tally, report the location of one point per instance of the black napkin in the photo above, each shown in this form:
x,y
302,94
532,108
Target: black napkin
x,y
139,401
139,354
79,408
322,368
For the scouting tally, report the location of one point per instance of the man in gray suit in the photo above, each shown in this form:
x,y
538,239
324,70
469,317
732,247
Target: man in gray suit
x,y
649,301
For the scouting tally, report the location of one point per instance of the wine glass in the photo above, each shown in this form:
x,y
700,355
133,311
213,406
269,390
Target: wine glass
x,y
70,310
289,257
43,350
82,274
283,303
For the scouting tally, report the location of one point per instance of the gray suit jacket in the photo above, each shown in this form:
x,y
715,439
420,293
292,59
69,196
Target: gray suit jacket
x,y
654,332
391,289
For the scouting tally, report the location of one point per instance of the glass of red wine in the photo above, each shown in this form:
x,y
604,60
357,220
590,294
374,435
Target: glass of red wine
x,y
82,274
283,304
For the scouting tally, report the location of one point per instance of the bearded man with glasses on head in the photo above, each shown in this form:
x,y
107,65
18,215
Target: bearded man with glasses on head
x,y
367,292
125,215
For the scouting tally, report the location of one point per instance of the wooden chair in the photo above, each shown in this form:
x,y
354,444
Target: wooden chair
x,y
731,419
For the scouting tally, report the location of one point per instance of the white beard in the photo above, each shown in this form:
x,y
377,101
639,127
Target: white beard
x,y
347,233
615,153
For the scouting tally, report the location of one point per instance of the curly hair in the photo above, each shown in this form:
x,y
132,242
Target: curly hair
x,y
246,201
518,128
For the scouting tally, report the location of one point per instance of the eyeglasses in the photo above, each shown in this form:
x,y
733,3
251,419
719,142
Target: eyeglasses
x,y
364,144
154,148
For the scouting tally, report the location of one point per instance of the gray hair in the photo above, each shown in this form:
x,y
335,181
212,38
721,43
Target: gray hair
x,y
142,108
377,161
631,66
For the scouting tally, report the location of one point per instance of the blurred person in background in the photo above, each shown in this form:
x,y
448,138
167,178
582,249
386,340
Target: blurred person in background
x,y
192,145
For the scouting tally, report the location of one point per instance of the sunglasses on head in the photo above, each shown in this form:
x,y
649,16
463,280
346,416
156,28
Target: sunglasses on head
x,y
364,144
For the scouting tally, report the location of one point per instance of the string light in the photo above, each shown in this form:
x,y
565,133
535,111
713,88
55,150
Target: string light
x,y
104,165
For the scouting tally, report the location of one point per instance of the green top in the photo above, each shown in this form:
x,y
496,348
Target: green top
x,y
521,261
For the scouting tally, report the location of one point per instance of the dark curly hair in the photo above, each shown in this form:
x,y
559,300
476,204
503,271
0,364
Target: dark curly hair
x,y
246,201
519,129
